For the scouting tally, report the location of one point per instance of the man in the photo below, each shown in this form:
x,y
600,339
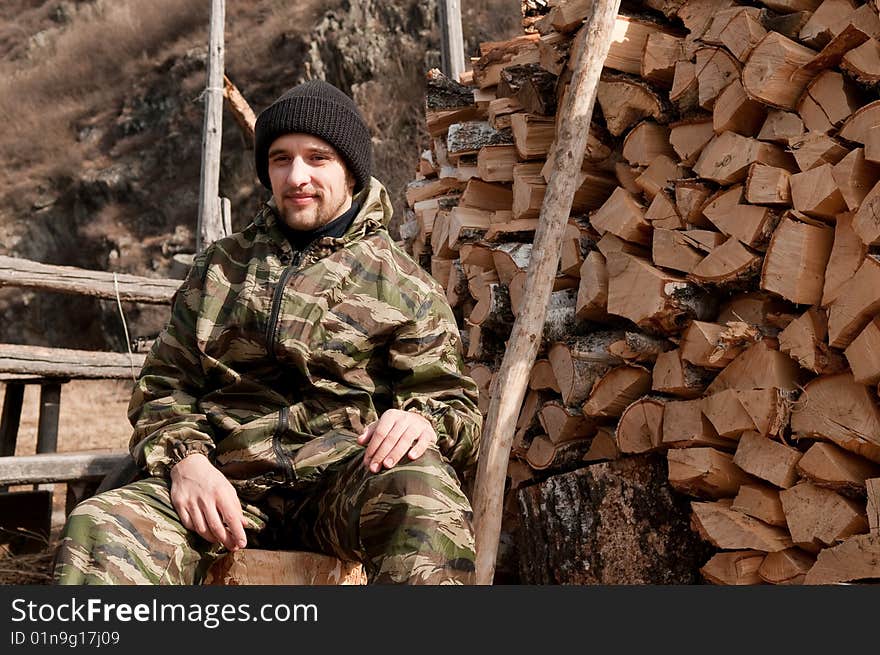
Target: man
x,y
307,392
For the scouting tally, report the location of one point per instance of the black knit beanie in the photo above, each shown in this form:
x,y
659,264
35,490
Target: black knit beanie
x,y
318,108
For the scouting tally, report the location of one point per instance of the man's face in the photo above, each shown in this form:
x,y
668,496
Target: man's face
x,y
310,182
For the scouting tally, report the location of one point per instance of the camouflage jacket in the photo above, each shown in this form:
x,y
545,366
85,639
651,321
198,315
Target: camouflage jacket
x,y
274,359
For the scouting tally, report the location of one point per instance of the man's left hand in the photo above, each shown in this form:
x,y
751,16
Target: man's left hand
x,y
395,434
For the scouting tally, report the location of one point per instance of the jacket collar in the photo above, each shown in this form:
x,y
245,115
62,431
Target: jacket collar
x,y
375,215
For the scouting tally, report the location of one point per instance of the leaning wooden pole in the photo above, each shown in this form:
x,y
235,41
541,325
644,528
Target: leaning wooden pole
x,y
522,348
210,227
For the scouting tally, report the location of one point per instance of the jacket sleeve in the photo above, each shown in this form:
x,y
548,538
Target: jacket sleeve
x,y
164,407
430,379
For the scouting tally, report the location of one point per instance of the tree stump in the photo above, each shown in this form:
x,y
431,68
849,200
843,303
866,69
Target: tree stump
x,y
617,522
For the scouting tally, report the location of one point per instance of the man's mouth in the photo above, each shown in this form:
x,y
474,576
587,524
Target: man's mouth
x,y
300,199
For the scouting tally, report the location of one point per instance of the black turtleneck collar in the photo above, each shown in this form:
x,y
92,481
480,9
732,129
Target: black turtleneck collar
x,y
300,239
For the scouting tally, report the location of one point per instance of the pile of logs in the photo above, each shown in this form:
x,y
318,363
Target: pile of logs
x,y
718,292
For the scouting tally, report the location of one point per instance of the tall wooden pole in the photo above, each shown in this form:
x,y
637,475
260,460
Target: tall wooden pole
x,y
452,41
210,227
510,384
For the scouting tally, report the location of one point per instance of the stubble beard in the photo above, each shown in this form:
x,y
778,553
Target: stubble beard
x,y
312,217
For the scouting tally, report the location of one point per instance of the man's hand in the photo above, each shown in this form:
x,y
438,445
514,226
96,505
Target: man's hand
x,y
206,502
395,434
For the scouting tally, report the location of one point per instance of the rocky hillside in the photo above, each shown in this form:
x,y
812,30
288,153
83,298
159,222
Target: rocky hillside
x,y
101,103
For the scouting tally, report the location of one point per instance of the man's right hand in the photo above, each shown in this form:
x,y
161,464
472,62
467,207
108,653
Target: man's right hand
x,y
206,502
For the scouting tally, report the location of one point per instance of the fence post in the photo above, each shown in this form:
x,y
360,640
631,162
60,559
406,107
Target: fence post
x,y
210,225
451,41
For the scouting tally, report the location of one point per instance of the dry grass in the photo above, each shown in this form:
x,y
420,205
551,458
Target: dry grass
x,y
81,68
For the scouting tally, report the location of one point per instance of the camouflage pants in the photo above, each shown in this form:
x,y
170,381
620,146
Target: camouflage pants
x,y
409,525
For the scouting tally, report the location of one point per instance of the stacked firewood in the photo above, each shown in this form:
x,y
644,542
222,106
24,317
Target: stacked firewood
x,y
718,297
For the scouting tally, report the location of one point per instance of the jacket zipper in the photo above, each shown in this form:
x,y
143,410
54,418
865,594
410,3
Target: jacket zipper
x,y
272,327
271,334
281,428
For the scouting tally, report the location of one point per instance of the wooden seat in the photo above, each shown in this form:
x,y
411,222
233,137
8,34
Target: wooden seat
x,y
253,566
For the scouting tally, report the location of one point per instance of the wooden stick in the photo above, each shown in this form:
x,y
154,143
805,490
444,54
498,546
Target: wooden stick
x,y
525,338
210,227
240,109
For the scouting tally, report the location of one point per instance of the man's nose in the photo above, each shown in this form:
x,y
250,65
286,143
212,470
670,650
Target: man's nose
x,y
299,173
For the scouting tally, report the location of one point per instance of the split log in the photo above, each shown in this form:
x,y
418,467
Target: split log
x,y
603,447
510,258
623,216
750,224
727,529
658,175
497,55
788,567
495,163
684,426
767,312
727,157
486,195
542,378
683,250
768,185
562,423
626,100
847,255
866,221
616,522
544,455
638,347
818,518
794,266
781,127
531,86
579,364
685,90
689,137
863,63
532,135
661,52
645,142
616,390
734,111
760,366
654,300
465,225
767,459
738,567
640,428
837,408
706,473
492,311
726,414
774,71
858,126
592,298
831,467
715,69
828,100
499,111
857,302
468,137
663,214
760,501
731,264
863,354
804,340
701,345
674,376
815,149
872,487
815,193
857,558
690,198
